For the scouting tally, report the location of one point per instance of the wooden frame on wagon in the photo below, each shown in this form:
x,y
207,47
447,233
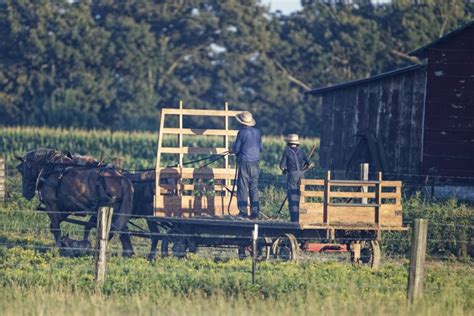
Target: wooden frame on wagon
x,y
188,192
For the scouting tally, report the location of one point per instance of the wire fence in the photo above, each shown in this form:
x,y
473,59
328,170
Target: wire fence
x,y
394,244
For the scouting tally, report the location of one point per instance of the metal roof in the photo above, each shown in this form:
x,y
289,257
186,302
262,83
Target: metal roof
x,y
421,52
365,80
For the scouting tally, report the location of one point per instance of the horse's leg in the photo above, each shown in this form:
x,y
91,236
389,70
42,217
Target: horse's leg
x,y
153,226
127,247
87,229
54,226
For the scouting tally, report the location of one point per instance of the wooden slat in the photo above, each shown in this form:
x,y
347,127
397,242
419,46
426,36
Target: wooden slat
x,y
391,207
352,205
200,131
193,150
312,194
196,171
390,195
353,227
337,194
188,206
353,184
351,214
391,215
391,183
312,182
199,112
189,187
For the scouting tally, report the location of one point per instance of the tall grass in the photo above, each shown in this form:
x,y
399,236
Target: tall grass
x,y
34,282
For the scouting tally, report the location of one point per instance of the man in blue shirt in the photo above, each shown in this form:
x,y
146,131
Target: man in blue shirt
x,y
247,147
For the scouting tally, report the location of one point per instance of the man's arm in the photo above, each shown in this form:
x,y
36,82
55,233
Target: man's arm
x,y
283,162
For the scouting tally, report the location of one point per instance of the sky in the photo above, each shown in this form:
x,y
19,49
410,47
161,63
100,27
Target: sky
x,y
285,6
289,6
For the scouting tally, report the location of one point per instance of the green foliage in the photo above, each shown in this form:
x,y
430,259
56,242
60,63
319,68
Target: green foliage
x,y
450,231
115,64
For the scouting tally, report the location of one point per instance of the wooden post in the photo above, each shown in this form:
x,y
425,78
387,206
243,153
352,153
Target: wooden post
x,y
226,141
364,176
104,220
378,198
254,251
180,135
2,180
417,260
326,199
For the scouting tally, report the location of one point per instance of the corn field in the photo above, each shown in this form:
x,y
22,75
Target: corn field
x,y
136,149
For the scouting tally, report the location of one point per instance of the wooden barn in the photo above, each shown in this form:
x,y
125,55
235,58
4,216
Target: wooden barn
x,y
413,123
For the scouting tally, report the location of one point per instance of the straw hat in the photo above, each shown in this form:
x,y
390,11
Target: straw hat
x,y
245,118
292,139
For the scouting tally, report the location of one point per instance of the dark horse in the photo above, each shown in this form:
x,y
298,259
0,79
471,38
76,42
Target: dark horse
x,y
143,193
66,187
144,190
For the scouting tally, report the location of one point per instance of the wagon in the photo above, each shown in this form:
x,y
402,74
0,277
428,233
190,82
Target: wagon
x,y
197,205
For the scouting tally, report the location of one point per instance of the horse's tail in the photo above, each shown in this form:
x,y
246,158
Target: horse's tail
x,y
126,205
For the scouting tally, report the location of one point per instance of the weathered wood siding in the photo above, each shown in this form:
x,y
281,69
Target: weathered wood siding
x,y
448,148
390,107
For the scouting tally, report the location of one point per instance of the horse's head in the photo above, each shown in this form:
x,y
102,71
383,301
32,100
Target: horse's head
x,y
29,168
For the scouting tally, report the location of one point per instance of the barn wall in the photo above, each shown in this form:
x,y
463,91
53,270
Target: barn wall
x,y
449,121
391,107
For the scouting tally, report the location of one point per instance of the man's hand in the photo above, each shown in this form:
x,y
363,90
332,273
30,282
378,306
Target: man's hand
x,y
284,171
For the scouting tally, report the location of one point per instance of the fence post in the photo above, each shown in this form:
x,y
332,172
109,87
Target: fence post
x,y
364,176
254,251
417,260
104,220
2,179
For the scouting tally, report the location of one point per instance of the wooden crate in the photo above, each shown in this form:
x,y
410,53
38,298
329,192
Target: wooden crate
x,y
188,192
345,202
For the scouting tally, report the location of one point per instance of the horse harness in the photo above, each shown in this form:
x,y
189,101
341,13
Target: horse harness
x,y
101,198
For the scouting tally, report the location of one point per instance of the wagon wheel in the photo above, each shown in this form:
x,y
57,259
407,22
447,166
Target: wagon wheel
x,y
285,248
369,254
263,253
177,244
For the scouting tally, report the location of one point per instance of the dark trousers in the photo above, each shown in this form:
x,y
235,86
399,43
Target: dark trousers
x,y
293,191
247,185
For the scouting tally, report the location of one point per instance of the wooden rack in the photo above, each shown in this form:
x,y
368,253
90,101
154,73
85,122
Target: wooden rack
x,y
341,202
188,192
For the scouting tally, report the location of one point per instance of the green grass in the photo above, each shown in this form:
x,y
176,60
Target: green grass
x,y
37,280
33,282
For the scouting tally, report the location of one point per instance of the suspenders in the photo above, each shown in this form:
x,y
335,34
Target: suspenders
x,y
295,154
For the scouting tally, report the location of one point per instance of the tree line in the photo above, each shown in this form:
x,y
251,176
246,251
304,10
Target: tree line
x,y
115,64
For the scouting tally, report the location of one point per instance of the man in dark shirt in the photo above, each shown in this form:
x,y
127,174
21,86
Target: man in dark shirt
x,y
247,147
294,162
